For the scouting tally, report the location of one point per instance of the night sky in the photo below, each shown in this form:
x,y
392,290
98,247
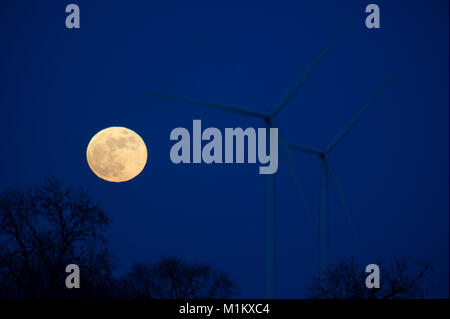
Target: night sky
x,y
59,87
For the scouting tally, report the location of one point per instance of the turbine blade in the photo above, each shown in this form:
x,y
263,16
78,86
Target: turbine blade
x,y
343,202
223,107
290,92
306,149
344,131
285,152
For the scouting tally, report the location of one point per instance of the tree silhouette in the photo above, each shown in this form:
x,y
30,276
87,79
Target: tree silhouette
x,y
44,229
171,278
403,278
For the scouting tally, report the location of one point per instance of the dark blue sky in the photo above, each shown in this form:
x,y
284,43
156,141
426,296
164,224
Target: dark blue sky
x,y
59,87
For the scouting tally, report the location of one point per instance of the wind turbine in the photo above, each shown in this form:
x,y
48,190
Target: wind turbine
x,y
270,120
326,169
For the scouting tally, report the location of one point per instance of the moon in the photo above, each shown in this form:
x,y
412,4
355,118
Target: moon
x,y
116,154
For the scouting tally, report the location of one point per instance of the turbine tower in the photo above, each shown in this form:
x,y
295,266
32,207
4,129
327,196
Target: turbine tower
x,y
326,170
270,121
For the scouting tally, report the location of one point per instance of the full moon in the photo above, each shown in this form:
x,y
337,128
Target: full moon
x,y
116,154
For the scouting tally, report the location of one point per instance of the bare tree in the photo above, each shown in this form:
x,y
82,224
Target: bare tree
x,y
172,278
403,278
42,230
139,283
